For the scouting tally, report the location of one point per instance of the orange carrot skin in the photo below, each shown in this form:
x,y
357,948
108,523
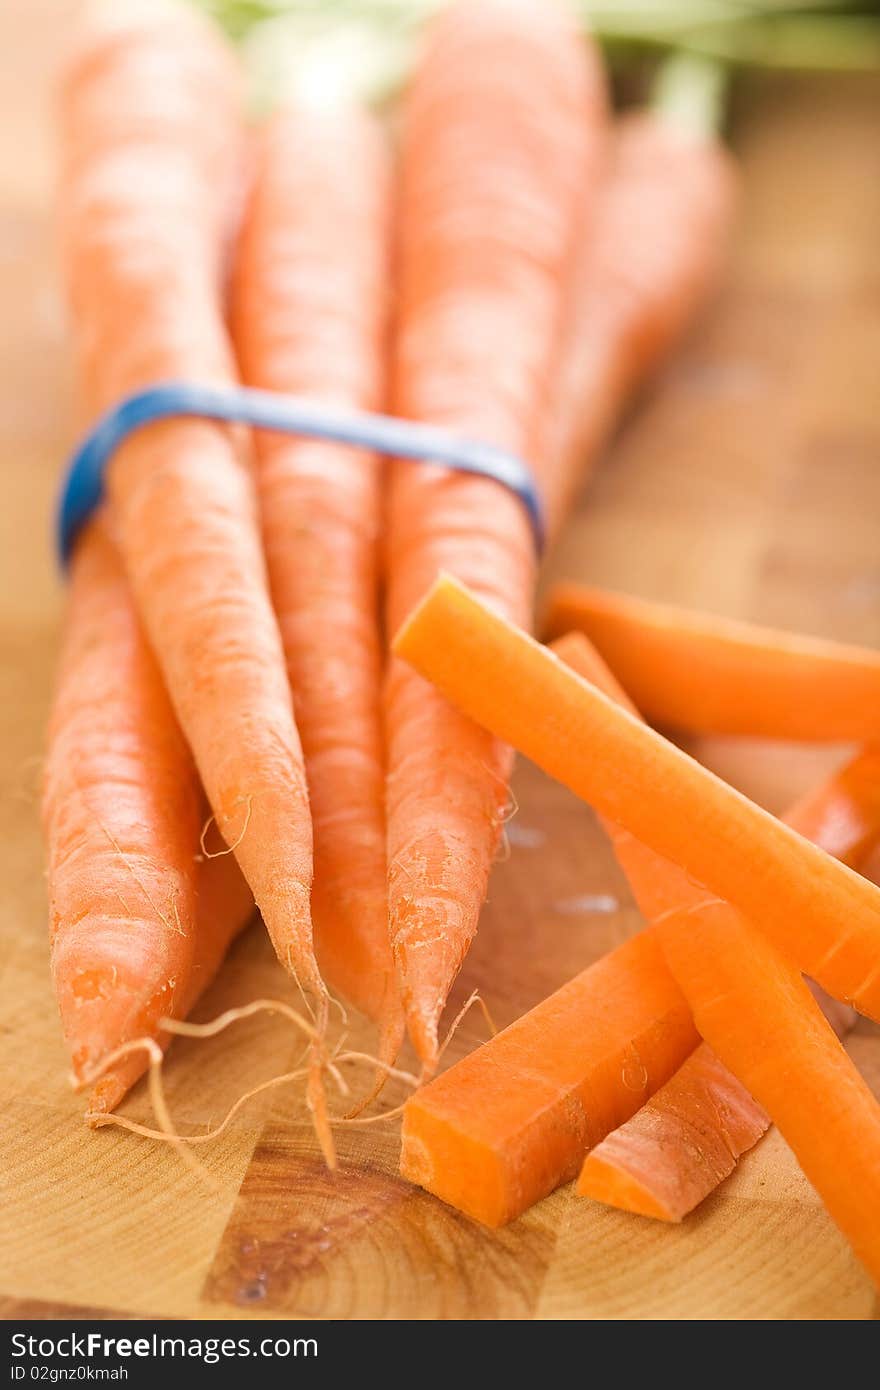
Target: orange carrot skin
x,y
309,314
633,298
510,1122
844,813
682,1143
121,811
224,907
493,175
668,804
715,675
150,126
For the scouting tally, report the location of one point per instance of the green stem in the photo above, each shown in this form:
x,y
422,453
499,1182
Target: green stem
x,y
689,92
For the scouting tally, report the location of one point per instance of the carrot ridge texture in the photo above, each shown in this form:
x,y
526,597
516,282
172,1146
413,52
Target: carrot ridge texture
x,y
823,913
151,138
310,298
137,928
710,674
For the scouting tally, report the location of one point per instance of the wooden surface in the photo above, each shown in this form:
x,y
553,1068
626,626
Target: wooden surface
x,y
749,482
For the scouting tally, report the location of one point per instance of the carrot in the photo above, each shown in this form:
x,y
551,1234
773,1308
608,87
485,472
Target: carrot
x,y
136,929
686,1140
150,127
751,1005
494,166
309,307
710,674
511,1121
754,1009
821,912
484,1137
682,1143
633,297
224,907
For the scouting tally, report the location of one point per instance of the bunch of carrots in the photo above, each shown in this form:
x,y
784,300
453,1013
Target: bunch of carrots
x,y
230,727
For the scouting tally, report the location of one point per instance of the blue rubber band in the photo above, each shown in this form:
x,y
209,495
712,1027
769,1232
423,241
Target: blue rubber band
x,y
83,485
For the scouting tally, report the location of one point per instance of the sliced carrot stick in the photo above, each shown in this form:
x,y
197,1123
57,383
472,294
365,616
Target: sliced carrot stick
x,y
137,929
668,1158
488,1143
820,911
501,133
151,136
710,674
682,1143
752,1007
511,1121
309,308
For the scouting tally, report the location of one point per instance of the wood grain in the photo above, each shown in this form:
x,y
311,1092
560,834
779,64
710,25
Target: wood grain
x,y
748,481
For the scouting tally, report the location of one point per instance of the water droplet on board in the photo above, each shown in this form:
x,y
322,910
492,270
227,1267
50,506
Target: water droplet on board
x,y
525,837
587,903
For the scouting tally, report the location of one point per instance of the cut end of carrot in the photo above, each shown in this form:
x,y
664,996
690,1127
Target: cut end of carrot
x,y
608,1184
455,1167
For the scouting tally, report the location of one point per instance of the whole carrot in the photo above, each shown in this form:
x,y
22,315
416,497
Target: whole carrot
x,y
655,248
310,294
150,137
137,928
501,130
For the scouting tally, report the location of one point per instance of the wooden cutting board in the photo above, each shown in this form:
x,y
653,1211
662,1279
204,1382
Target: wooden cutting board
x,y
749,482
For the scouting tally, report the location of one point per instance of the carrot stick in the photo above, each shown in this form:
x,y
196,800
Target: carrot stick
x,y
749,1002
137,930
686,1140
820,911
309,308
488,1141
511,1121
151,137
682,1143
710,674
752,1007
501,133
